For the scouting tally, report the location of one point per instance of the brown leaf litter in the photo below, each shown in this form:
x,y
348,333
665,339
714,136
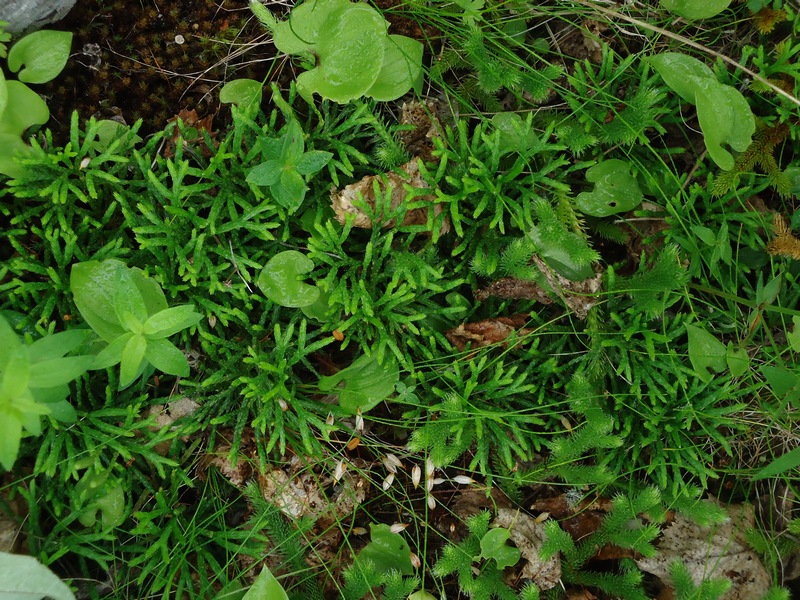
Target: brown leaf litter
x,y
487,332
528,536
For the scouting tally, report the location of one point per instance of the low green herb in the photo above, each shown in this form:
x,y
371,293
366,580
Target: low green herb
x,y
129,312
724,114
692,10
347,50
34,383
38,58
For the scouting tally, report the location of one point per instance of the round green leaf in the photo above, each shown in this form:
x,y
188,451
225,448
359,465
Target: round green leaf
x,y
696,9
681,72
25,109
43,53
280,280
11,148
402,67
387,551
241,92
3,94
615,190
493,545
726,119
366,383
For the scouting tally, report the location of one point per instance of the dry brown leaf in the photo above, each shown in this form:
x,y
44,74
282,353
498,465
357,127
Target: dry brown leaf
x,y
509,287
712,553
190,118
528,536
422,116
167,414
487,332
344,201
580,296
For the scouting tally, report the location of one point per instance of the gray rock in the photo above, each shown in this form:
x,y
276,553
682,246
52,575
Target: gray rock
x,y
28,15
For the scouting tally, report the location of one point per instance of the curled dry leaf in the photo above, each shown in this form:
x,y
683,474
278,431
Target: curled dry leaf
x,y
528,535
394,183
509,287
713,553
487,332
167,414
422,116
580,296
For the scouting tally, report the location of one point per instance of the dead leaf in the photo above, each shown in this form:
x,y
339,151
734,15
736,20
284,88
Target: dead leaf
x,y
396,184
426,126
713,552
238,473
579,296
487,332
191,119
509,287
528,536
167,414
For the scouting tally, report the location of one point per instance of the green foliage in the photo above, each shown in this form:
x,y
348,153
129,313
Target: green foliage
x,y
494,547
38,58
624,526
266,586
347,50
695,10
34,378
685,588
280,282
128,311
615,190
366,382
26,577
285,166
724,114
479,576
387,551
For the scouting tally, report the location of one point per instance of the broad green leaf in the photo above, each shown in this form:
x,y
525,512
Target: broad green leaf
x,y
43,53
705,352
785,384
93,288
516,134
266,587
25,109
57,345
280,280
494,546
387,551
401,68
290,191
61,411
112,508
366,383
165,357
25,578
10,436
695,9
132,358
152,294
3,94
170,321
783,464
681,73
58,371
50,396
349,55
292,144
10,342
726,120
738,360
128,301
112,354
792,336
16,374
766,294
12,148
244,93
299,34
312,161
267,173
615,190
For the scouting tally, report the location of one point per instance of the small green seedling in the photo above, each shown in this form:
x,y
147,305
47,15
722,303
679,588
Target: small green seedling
x,y
724,114
494,546
387,551
129,312
33,382
38,57
98,492
347,49
287,166
280,280
615,190
691,10
366,383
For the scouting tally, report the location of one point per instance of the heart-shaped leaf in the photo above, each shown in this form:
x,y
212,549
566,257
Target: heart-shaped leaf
x,y
43,53
493,545
615,190
387,551
280,280
695,9
25,109
706,352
